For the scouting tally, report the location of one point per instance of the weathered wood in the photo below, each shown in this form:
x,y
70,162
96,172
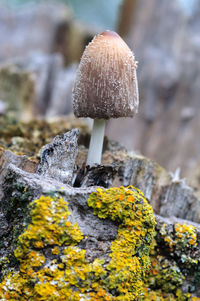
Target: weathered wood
x,y
21,184
165,41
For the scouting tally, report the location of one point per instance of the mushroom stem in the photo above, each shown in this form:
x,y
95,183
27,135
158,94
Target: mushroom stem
x,y
96,142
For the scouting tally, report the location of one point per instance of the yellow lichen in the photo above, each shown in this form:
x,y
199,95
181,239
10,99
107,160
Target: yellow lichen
x,y
160,296
130,250
168,274
68,276
185,234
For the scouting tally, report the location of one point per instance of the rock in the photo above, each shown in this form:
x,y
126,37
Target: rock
x,y
58,157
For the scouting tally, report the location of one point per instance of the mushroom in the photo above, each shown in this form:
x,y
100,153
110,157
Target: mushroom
x,y
105,86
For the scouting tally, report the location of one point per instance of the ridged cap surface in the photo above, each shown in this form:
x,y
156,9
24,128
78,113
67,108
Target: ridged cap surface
x,y
106,82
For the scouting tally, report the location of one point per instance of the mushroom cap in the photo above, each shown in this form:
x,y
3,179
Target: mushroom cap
x,y
106,83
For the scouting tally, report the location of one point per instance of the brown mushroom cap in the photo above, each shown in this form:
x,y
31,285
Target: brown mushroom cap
x,y
106,82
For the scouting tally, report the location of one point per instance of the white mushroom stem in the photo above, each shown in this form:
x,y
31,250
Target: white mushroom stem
x,y
96,142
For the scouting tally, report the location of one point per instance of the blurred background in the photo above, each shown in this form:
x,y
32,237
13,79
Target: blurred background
x,y
41,43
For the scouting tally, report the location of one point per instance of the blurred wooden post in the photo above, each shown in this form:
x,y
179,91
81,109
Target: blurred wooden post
x,y
126,16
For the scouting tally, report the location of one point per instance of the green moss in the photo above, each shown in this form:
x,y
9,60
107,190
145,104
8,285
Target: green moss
x,y
15,207
27,138
67,275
